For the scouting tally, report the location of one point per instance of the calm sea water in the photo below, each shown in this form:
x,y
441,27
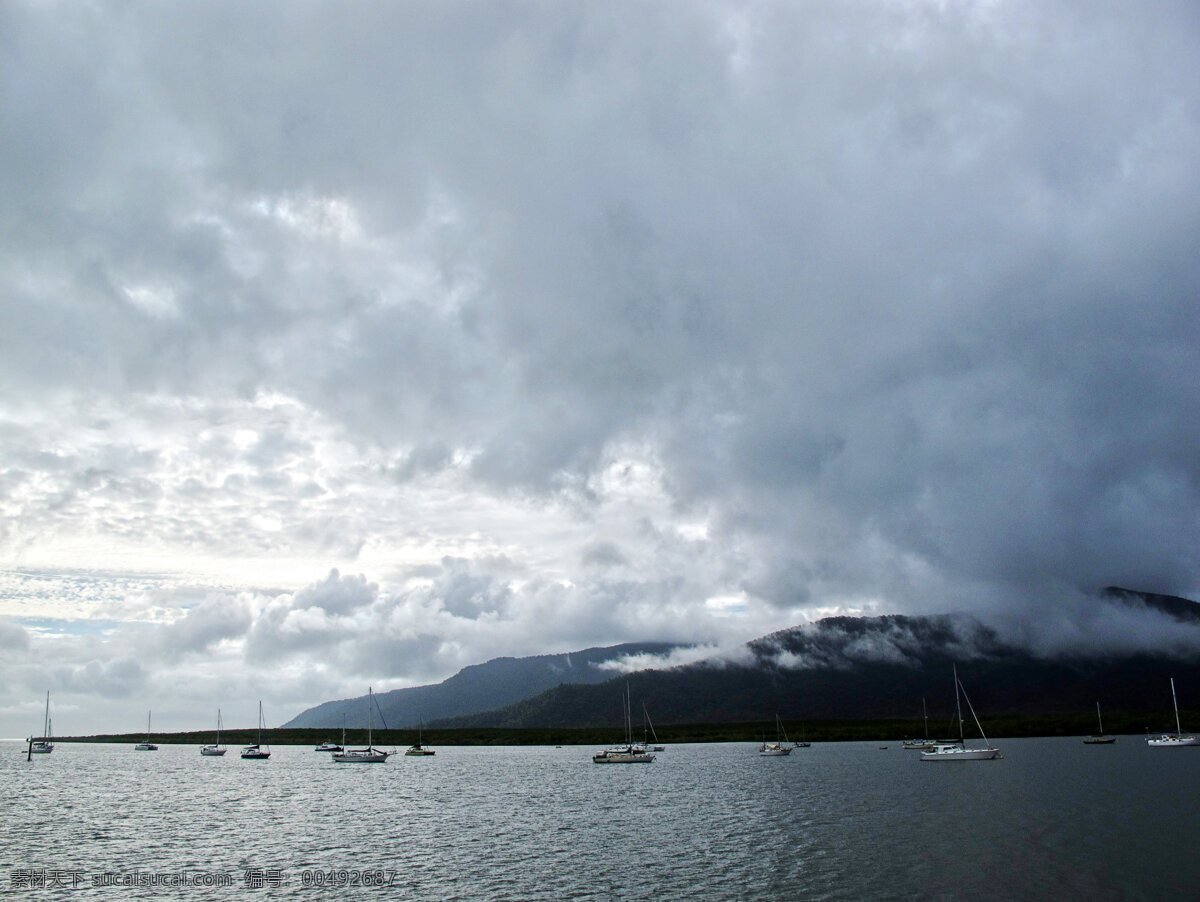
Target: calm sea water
x,y
835,821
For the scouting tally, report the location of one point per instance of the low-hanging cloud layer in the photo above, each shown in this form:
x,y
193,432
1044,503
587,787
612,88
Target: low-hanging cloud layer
x,y
347,346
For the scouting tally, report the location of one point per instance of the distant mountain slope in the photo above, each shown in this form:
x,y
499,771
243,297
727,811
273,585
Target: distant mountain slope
x,y
877,667
480,687
1171,605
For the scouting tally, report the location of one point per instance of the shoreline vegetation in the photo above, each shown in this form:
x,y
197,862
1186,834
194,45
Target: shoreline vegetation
x,y
998,727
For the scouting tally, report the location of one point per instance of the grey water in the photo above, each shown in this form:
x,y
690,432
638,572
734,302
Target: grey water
x,y
834,821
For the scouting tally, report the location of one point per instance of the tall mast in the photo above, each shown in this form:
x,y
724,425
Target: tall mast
x,y
1178,729
1098,719
975,717
958,707
370,741
46,719
926,712
629,729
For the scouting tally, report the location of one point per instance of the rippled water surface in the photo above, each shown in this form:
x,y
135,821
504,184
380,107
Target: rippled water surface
x,y
835,821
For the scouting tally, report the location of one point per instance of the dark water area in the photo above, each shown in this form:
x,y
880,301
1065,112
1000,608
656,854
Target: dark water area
x,y
1055,818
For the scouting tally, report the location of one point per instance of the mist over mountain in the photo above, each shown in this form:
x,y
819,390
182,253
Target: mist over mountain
x,y
882,667
480,687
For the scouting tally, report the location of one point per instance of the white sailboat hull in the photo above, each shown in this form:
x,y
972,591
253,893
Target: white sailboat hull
x,y
361,757
419,753
145,747
769,751
42,748
1172,742
961,754
212,751
614,757
255,755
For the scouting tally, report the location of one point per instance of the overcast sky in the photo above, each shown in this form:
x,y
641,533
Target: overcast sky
x,y
349,344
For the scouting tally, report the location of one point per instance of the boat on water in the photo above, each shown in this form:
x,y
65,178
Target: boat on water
x,y
419,750
655,747
779,747
1101,738
333,746
256,752
629,753
1178,739
44,745
369,755
959,751
216,750
920,744
146,746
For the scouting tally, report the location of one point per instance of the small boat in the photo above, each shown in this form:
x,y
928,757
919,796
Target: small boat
x,y
216,750
778,748
333,746
622,754
44,746
1178,739
369,755
419,750
1101,738
958,751
256,752
920,744
629,753
655,747
146,746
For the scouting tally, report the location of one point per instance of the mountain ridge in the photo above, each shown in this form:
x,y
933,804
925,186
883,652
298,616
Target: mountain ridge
x,y
874,667
851,667
476,687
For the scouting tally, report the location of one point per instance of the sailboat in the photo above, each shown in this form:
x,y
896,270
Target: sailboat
x,y
803,743
146,746
256,752
1100,738
369,755
419,750
216,750
921,744
656,747
1177,739
627,753
776,749
958,751
44,746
